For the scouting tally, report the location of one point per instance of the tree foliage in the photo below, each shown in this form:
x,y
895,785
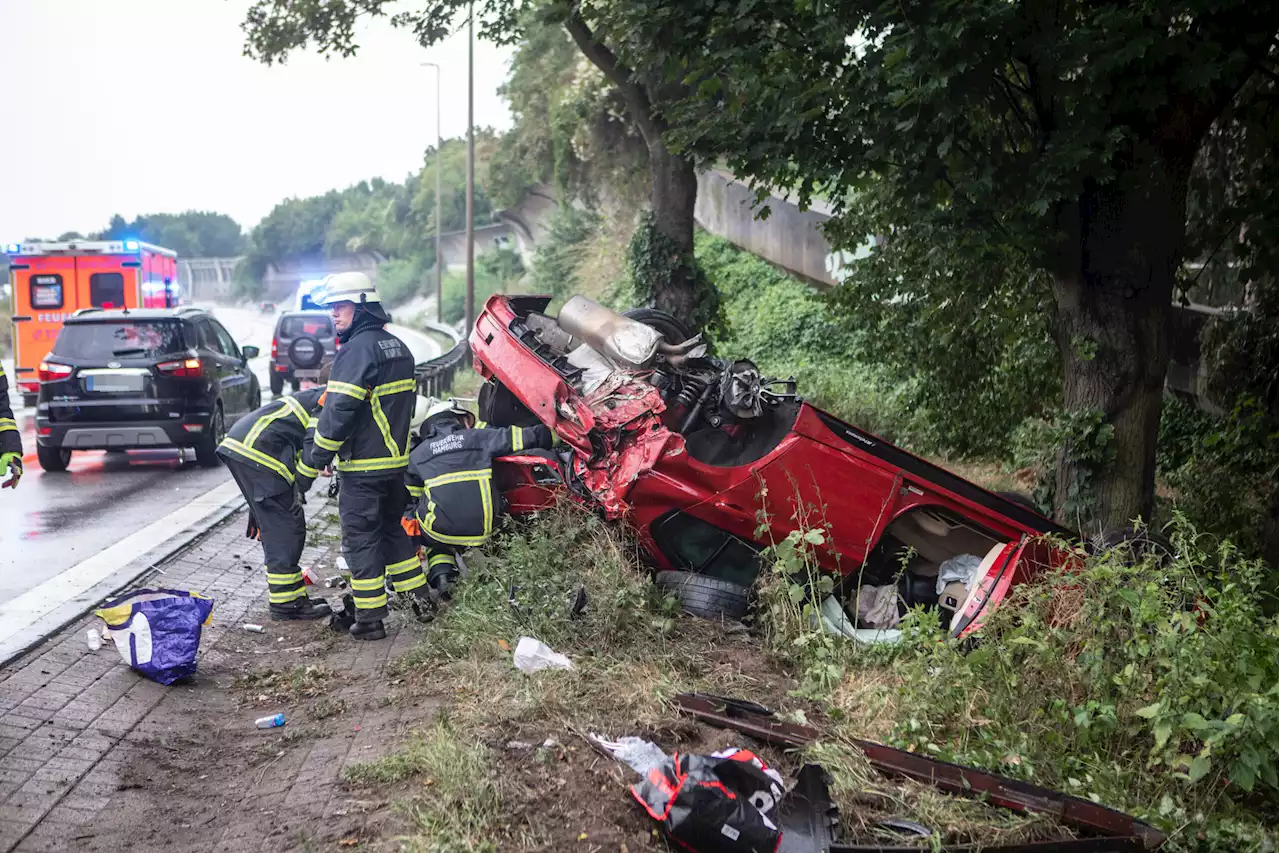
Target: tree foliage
x,y
1027,163
193,234
571,128
274,28
396,220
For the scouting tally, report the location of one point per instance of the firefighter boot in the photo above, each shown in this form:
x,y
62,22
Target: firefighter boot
x,y
300,608
368,631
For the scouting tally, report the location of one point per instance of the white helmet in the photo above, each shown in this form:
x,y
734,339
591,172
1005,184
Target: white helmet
x,y
346,287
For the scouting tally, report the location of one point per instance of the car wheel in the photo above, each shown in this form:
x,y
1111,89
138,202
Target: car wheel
x,y
1020,498
207,448
672,329
295,385
709,598
1135,544
277,385
255,401
53,459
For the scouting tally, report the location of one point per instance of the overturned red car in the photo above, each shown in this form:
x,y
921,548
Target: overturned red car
x,y
710,462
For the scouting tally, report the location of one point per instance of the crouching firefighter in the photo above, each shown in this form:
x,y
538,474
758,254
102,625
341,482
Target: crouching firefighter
x,y
263,452
450,481
365,424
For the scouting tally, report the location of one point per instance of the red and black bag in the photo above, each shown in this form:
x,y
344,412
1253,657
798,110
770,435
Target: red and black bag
x,y
721,803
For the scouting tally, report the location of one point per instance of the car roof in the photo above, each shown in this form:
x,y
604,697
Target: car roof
x,y
284,314
104,315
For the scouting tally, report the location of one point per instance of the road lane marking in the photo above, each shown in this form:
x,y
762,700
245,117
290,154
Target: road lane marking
x,y
20,617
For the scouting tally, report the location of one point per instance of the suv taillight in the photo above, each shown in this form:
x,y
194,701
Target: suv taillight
x,y
275,346
49,372
188,368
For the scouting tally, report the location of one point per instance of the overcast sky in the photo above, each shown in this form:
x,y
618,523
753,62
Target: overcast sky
x,y
145,106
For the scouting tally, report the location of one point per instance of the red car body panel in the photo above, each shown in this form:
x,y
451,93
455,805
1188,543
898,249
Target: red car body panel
x,y
823,473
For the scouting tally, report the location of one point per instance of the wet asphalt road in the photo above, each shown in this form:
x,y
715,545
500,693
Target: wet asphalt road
x,y
53,521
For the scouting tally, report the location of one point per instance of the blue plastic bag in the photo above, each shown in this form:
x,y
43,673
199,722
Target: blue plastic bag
x,y
157,631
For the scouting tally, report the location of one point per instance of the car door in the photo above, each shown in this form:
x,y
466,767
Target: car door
x,y
240,381
211,349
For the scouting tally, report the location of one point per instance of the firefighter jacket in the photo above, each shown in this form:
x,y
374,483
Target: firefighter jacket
x,y
10,438
371,394
450,479
272,440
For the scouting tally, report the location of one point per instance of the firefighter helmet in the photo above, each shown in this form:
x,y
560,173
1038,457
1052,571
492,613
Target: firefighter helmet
x,y
347,287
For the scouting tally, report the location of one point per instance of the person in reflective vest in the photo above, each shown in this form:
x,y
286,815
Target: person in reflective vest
x,y
364,431
450,481
263,451
10,438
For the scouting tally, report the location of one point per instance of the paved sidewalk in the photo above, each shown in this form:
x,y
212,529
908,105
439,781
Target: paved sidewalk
x,y
95,757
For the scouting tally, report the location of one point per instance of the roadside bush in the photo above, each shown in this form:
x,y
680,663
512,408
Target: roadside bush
x,y
783,325
402,279
1149,688
455,292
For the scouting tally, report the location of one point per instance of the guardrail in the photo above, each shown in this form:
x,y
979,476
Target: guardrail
x,y
436,376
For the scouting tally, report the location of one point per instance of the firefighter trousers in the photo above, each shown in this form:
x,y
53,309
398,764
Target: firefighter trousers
x,y
282,529
376,546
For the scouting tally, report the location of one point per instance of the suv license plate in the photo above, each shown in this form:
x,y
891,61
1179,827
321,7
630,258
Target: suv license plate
x,y
101,384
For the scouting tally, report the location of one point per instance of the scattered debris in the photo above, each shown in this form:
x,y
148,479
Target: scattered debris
x,y
637,753
271,722
1121,832
721,803
342,620
808,816
95,640
532,655
906,827
256,629
579,603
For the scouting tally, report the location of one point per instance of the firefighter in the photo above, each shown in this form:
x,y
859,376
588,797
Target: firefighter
x,y
450,480
365,424
10,438
263,452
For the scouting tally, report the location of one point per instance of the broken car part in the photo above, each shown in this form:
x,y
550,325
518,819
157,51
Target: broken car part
x,y
626,343
807,816
953,778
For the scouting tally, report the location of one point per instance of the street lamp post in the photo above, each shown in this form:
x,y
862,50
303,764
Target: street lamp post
x,y
471,168
439,210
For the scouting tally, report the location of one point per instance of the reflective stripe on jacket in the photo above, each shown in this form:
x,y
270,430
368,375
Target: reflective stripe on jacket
x,y
450,479
272,438
365,419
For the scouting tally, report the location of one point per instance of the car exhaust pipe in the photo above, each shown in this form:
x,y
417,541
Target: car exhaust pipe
x,y
625,342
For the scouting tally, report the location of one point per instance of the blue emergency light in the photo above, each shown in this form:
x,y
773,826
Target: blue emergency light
x,y
131,245
12,248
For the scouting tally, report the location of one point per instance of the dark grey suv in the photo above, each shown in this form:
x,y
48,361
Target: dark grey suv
x,y
145,378
304,342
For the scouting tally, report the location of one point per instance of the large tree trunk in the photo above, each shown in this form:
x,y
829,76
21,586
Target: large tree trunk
x,y
674,194
1113,286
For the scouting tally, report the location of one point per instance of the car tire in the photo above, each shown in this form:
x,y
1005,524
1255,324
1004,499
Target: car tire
x,y
310,344
295,385
207,447
1022,499
707,597
53,459
672,329
255,401
277,384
